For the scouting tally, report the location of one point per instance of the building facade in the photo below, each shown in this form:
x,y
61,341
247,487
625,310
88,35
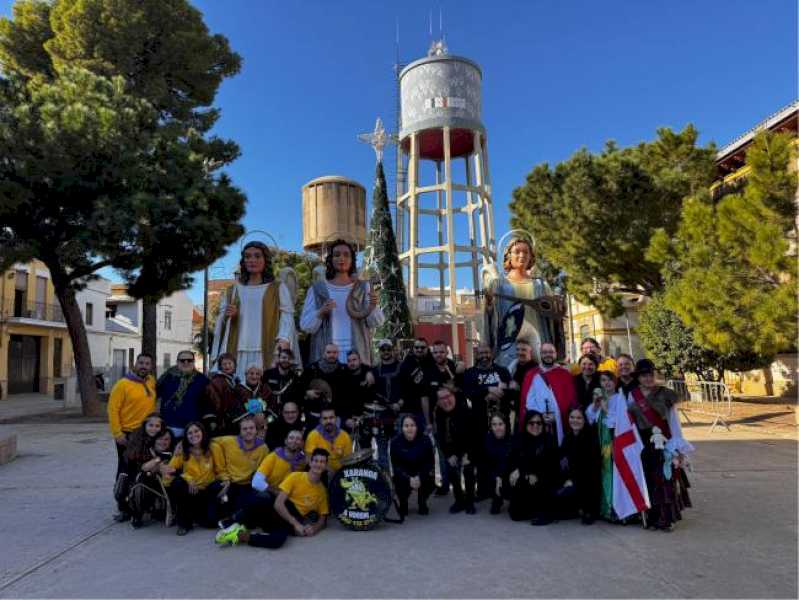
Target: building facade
x,y
35,350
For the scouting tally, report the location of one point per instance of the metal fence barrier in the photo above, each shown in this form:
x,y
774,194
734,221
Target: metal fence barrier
x,y
710,398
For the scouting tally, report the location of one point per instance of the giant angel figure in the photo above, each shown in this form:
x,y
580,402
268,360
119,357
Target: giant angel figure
x,y
340,308
519,305
256,314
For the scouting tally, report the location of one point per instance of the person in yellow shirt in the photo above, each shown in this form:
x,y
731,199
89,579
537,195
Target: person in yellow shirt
x,y
236,458
132,399
278,464
300,508
192,481
329,436
591,346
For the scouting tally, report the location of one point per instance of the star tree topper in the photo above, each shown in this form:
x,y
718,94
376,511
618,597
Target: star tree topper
x,y
378,139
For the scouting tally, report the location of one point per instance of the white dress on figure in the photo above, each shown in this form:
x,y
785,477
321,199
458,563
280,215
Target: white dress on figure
x,y
250,352
340,320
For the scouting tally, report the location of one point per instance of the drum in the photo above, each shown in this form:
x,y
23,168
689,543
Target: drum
x,y
360,492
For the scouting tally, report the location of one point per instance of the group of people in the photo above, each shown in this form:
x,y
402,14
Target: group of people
x,y
601,443
253,446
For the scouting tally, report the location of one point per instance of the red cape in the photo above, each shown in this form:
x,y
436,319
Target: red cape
x,y
562,385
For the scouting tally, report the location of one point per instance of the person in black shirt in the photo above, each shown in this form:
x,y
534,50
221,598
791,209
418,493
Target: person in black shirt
x,y
331,372
587,380
456,440
534,472
445,371
387,383
581,469
518,369
494,467
485,385
289,420
413,464
627,378
414,388
282,382
358,389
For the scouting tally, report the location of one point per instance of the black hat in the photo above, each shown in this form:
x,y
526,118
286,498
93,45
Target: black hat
x,y
644,366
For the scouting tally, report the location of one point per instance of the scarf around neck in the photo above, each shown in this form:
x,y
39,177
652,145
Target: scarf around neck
x,y
131,376
185,381
330,438
296,462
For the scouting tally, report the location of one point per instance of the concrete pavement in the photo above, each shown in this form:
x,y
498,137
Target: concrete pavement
x,y
739,540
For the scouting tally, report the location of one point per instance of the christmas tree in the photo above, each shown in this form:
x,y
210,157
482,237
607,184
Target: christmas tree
x,y
384,260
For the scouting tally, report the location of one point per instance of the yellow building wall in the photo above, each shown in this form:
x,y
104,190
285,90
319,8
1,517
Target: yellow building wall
x,y
48,333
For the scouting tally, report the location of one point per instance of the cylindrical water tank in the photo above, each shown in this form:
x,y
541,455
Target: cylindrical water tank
x,y
441,91
333,207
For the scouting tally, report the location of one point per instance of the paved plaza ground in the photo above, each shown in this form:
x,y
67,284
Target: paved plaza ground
x,y
739,540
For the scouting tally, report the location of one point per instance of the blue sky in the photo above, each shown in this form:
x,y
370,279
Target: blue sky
x,y
557,76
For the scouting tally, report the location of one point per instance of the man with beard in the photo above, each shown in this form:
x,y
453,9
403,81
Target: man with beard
x,y
414,388
518,369
332,372
590,346
358,389
282,382
549,389
330,437
445,371
181,391
485,384
131,400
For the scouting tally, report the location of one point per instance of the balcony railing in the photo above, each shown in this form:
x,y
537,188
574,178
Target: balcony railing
x,y
39,311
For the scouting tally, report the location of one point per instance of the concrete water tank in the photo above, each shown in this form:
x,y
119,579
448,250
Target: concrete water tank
x,y
441,91
332,207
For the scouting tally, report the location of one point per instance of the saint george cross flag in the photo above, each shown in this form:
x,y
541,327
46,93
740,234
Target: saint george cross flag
x,y
630,495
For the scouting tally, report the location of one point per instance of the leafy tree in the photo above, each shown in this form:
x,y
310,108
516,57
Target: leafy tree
x,y
385,259
117,168
732,279
593,215
672,346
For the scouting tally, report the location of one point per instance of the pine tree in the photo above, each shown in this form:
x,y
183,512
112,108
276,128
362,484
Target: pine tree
x,y
733,279
385,260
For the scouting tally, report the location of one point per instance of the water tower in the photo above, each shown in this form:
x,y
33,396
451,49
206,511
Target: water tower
x,y
332,207
445,217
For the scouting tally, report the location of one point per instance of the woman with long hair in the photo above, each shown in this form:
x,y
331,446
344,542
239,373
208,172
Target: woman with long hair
x,y
494,468
148,495
533,472
137,453
580,466
412,464
194,488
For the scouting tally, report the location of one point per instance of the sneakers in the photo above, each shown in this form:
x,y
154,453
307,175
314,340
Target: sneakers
x,y
229,536
136,523
121,517
182,531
